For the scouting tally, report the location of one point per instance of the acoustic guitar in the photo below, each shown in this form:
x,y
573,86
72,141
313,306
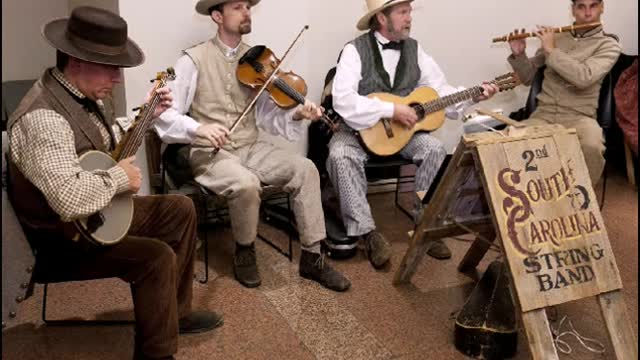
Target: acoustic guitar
x,y
387,137
111,224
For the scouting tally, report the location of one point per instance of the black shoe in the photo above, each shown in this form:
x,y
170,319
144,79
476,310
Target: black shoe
x,y
313,267
245,268
439,250
200,321
377,249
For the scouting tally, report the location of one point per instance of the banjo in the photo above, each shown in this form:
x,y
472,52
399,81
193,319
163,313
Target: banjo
x,y
110,225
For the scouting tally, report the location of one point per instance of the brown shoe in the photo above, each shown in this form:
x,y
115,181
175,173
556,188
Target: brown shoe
x,y
245,268
313,267
377,249
199,322
439,250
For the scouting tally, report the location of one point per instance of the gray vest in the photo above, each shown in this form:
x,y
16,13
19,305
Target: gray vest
x,y
375,78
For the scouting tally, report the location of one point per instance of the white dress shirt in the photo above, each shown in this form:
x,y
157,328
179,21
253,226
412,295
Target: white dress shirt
x,y
174,126
360,112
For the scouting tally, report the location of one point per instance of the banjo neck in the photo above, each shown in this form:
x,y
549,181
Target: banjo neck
x,y
132,139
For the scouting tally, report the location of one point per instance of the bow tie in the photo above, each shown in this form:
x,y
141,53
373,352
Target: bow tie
x,y
393,45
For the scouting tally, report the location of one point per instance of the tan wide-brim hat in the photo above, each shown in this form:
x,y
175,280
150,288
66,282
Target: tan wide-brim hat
x,y
203,6
95,35
375,6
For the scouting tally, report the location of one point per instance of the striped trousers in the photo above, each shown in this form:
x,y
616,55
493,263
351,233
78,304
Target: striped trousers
x,y
345,165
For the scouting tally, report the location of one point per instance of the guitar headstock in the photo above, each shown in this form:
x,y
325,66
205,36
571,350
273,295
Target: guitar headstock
x,y
507,81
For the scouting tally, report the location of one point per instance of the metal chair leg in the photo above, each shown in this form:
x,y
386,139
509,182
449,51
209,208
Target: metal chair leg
x,y
398,205
288,255
206,258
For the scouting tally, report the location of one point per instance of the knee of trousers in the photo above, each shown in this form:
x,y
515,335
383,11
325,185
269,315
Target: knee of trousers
x,y
184,206
246,187
593,146
159,261
307,171
339,156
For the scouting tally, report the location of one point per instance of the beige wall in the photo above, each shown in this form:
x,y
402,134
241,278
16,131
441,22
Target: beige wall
x,y
25,53
456,33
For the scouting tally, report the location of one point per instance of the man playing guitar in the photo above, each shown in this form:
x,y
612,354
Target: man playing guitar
x,y
385,59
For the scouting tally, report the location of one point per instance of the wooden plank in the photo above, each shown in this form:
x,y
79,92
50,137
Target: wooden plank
x,y
418,243
477,251
614,312
541,344
545,211
511,135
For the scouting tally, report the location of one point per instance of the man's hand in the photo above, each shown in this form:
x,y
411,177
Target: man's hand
x,y
133,173
404,115
309,111
489,90
545,34
518,46
214,135
166,100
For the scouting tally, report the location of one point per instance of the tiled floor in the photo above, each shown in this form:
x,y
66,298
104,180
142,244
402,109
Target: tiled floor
x,y
292,318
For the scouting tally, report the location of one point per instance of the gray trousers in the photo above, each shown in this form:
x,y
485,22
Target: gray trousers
x,y
345,165
237,175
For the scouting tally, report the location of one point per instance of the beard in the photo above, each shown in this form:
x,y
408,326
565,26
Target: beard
x,y
245,28
400,34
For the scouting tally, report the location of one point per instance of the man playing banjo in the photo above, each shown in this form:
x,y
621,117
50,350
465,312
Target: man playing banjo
x,y
65,114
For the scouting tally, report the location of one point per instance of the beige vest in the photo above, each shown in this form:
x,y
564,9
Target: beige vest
x,y
220,98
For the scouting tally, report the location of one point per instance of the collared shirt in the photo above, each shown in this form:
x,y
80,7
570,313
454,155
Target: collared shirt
x,y
360,112
574,72
42,146
173,126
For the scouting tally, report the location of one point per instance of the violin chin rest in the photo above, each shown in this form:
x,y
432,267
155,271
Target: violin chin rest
x,y
252,54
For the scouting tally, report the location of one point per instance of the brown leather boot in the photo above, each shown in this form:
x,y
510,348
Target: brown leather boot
x,y
245,268
314,267
439,250
200,321
377,249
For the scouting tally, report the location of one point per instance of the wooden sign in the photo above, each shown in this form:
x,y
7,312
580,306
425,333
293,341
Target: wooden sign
x,y
546,211
540,206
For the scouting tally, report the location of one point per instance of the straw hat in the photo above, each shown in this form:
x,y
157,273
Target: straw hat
x,y
375,6
203,6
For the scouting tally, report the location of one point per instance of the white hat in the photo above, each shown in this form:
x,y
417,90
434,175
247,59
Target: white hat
x,y
375,6
203,6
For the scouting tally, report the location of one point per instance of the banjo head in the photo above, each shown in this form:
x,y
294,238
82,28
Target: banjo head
x,y
116,216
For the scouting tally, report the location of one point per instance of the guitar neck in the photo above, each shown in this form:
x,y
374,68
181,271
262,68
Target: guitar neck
x,y
451,99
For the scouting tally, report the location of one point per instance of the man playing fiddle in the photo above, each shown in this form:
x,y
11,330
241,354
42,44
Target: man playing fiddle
x,y
207,89
385,59
576,63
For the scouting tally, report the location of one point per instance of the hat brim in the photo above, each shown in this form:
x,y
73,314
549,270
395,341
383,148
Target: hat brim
x,y
363,23
203,6
54,33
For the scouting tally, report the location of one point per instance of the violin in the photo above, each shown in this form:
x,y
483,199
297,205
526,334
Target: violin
x,y
286,89
259,68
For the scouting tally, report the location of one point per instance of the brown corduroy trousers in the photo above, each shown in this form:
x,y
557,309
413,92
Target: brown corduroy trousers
x,y
156,259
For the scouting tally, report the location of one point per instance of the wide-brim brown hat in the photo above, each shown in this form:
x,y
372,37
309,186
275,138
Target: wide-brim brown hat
x,y
375,6
95,35
203,6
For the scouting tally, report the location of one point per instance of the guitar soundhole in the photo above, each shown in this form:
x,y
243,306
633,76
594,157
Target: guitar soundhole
x,y
418,109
